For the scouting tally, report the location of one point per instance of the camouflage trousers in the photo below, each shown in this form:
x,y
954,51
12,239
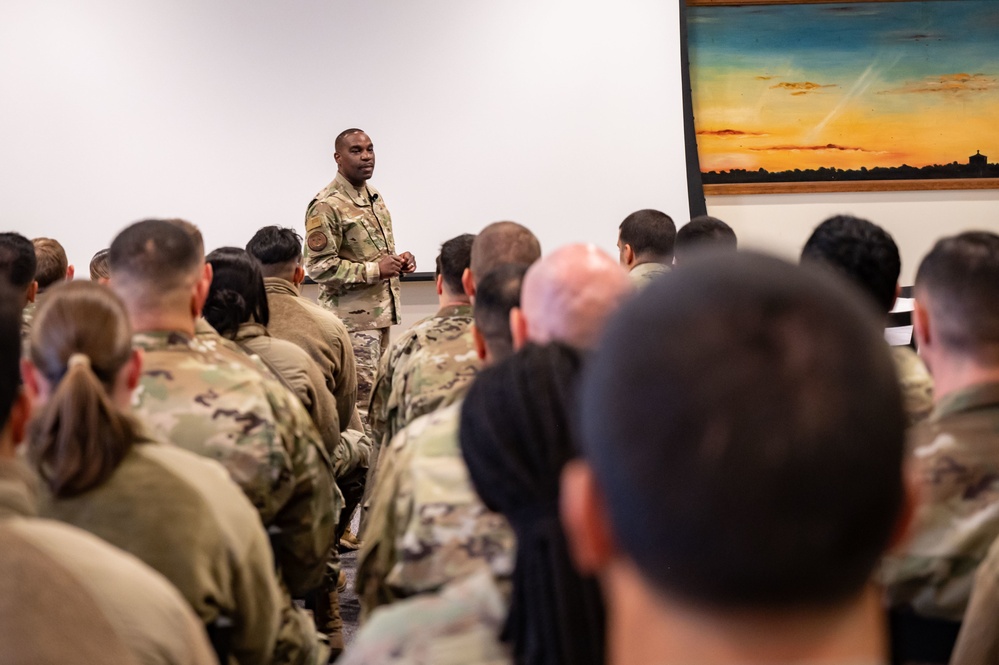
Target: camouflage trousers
x,y
369,345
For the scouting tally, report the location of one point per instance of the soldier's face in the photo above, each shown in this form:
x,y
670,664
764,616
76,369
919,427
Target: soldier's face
x,y
356,158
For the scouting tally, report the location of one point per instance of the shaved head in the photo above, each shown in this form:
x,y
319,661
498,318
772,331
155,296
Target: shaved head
x,y
569,295
501,243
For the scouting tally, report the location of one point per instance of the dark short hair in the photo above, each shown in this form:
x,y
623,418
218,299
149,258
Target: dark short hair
x,y
17,260
500,243
498,293
862,251
455,256
961,277
650,233
273,245
99,265
10,349
755,460
51,263
704,232
154,252
237,294
338,143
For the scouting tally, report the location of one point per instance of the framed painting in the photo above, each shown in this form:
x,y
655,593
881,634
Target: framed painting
x,y
868,95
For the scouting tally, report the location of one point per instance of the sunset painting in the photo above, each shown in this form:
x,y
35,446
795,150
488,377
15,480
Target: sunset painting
x,y
851,91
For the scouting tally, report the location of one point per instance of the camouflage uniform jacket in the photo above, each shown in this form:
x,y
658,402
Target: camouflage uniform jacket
x,y
916,382
321,334
956,453
347,231
211,403
978,641
644,273
427,525
459,626
27,318
428,367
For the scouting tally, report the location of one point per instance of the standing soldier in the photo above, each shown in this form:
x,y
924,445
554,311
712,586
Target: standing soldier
x,y
350,252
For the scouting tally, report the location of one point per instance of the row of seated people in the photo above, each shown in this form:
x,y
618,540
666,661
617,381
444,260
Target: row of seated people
x,y
449,510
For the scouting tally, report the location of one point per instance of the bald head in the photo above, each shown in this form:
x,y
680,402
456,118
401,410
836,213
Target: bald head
x,y
502,243
569,295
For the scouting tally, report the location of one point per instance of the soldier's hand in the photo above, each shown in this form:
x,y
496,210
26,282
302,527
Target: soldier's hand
x,y
408,262
390,265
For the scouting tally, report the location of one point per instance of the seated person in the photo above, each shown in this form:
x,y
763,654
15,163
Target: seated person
x,y
66,596
645,241
740,483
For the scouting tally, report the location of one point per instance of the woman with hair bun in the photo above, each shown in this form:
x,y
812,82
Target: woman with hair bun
x,y
178,512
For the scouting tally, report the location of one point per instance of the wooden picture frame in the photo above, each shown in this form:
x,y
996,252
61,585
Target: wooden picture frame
x,y
981,89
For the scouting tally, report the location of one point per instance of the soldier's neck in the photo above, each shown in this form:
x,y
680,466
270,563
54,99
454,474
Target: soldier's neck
x,y
162,322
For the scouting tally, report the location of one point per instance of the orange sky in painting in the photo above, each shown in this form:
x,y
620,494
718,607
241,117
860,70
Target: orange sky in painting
x,y
787,120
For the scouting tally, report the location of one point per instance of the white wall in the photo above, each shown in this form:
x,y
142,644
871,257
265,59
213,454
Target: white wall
x,y
781,223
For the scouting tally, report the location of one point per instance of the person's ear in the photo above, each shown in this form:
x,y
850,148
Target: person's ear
x,y
584,519
480,344
518,329
32,292
629,256
468,282
299,276
921,326
440,285
70,273
134,374
336,157
199,292
34,382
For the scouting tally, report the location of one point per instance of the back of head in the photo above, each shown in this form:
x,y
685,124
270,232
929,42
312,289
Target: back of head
x,y
152,260
500,243
99,266
516,436
454,258
498,293
958,283
862,251
278,250
79,342
755,459
192,231
17,260
651,235
51,262
704,233
569,295
237,294
10,349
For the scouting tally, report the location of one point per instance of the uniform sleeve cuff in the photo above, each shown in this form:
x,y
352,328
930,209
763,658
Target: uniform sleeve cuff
x,y
372,273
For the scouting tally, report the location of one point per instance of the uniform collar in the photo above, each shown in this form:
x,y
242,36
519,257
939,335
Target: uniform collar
x,y
454,310
360,197
282,286
250,330
154,340
972,398
18,490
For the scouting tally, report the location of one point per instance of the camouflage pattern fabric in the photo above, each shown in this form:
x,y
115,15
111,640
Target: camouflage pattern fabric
x,y
956,455
211,403
369,347
978,641
916,382
458,626
347,230
427,526
644,273
430,366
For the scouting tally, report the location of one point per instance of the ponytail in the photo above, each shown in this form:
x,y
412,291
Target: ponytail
x,y
80,436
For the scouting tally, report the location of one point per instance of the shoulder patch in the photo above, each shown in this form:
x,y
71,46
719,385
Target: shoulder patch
x,y
313,223
317,241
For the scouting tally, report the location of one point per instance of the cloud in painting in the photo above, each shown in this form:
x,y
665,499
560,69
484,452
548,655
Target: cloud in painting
x,y
951,84
800,87
765,78
727,132
832,147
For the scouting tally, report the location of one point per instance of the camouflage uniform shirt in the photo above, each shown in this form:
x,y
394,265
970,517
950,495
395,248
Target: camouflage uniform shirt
x,y
957,457
347,231
459,626
427,525
916,382
430,366
644,273
211,403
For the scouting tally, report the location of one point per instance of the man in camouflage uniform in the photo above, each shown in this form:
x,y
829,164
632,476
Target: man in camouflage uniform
x,y
427,526
645,244
432,364
350,253
209,401
867,255
956,451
